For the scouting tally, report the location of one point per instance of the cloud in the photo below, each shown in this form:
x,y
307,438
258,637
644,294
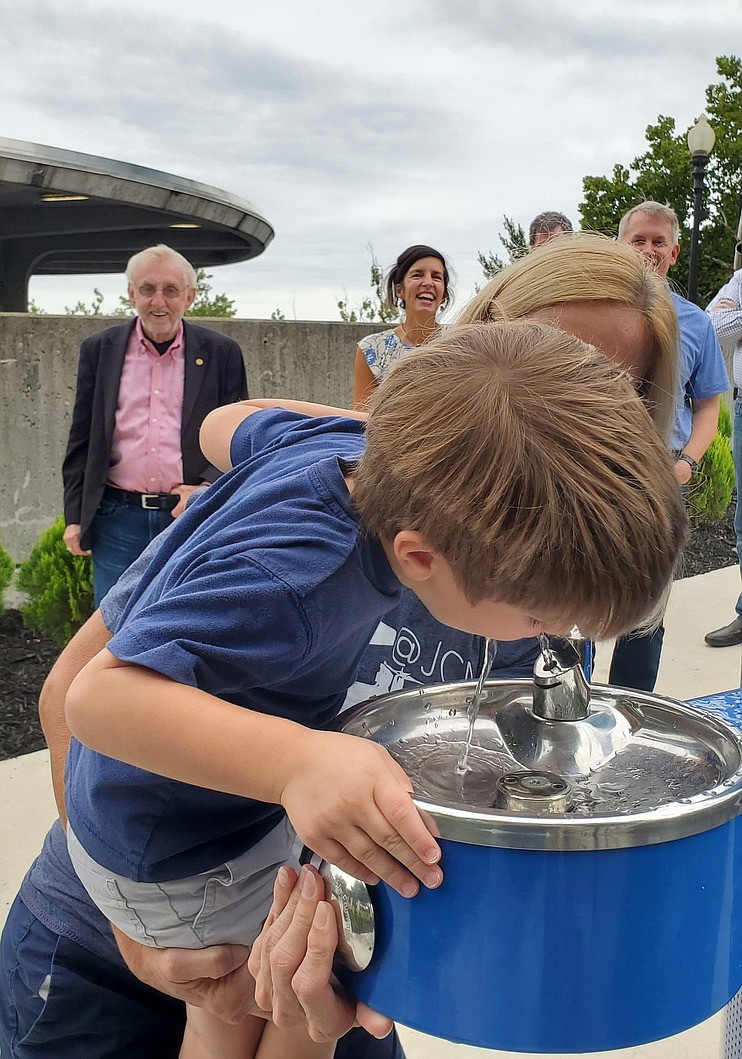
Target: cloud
x,y
416,122
622,32
212,93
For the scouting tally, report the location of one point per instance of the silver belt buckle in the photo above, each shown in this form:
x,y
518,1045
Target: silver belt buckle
x,y
147,506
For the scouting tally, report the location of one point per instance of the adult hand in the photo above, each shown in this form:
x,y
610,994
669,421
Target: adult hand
x,y
216,978
291,962
184,492
723,303
71,538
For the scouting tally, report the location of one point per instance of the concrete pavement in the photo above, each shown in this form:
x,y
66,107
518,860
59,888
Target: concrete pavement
x,y
689,669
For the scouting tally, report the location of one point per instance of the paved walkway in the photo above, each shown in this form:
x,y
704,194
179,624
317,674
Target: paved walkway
x,y
689,669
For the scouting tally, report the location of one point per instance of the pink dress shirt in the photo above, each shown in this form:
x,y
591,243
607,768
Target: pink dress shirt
x,y
146,449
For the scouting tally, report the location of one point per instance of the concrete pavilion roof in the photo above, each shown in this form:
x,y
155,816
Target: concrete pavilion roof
x,y
66,213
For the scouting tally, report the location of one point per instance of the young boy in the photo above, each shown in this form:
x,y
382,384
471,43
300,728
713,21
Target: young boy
x,y
509,475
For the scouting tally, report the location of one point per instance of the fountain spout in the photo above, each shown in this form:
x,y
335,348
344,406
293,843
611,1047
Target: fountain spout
x,y
561,691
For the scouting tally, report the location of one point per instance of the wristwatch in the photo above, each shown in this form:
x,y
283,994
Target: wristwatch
x,y
693,464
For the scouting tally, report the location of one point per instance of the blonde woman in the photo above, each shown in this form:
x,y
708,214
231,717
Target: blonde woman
x,y
606,294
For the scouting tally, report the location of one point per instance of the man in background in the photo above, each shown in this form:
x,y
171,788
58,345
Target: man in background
x,y
654,231
548,225
725,311
143,390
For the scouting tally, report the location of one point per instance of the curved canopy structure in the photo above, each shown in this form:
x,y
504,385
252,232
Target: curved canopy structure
x,y
63,213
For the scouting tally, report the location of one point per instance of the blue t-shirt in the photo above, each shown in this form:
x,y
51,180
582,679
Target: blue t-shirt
x,y
408,648
265,594
702,370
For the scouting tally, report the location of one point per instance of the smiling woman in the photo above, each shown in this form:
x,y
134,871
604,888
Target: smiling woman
x,y
419,283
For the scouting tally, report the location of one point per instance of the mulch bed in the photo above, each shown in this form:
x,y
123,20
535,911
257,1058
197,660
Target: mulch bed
x,y
26,657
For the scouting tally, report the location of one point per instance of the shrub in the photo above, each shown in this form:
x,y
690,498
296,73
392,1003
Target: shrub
x,y
59,587
725,420
710,492
7,567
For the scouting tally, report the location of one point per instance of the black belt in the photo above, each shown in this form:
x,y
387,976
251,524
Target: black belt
x,y
149,501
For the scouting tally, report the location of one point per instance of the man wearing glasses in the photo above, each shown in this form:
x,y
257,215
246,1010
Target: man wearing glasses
x,y
143,389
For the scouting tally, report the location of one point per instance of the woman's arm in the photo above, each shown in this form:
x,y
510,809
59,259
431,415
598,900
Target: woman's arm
x,y
218,978
364,380
217,429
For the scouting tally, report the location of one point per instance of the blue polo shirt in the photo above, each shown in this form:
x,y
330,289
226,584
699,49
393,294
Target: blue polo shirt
x,y
702,370
265,594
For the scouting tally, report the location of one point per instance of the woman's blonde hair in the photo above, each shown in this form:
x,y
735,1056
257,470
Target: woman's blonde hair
x,y
585,267
527,460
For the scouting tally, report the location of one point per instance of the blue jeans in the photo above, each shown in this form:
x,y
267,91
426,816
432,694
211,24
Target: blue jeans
x,y
737,456
636,660
121,532
59,1001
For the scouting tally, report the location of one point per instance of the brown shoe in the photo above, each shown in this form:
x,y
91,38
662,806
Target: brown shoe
x,y
729,636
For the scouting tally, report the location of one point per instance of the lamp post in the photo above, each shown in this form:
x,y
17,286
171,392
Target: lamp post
x,y
700,144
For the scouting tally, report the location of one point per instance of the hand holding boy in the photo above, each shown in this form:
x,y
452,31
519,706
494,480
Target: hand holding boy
x,y
349,801
216,978
291,962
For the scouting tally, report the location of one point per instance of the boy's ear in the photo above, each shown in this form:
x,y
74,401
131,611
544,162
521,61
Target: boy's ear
x,y
414,555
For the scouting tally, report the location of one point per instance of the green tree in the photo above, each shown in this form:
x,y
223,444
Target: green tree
x,y
664,173
515,243
82,309
374,308
207,303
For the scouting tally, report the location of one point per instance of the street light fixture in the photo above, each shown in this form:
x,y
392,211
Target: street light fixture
x,y
700,144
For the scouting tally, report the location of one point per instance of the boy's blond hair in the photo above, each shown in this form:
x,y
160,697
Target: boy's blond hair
x,y
526,459
588,267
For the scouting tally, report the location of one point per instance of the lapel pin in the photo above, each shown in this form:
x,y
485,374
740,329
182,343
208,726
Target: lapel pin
x,y
199,361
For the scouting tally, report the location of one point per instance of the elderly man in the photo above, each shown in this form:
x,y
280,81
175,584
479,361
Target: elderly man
x,y
548,225
653,230
143,389
725,311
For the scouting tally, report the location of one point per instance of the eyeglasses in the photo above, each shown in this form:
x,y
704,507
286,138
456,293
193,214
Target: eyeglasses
x,y
148,291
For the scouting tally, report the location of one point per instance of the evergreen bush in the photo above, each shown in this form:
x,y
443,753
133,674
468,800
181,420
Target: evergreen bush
x,y
711,487
7,566
59,587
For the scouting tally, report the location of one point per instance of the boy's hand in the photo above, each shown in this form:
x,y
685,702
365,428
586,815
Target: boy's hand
x,y
349,801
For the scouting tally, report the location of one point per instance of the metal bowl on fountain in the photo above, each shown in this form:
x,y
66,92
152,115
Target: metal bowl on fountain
x,y
592,893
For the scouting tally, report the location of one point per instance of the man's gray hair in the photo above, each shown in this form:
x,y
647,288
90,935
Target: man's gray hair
x,y
162,251
547,222
654,209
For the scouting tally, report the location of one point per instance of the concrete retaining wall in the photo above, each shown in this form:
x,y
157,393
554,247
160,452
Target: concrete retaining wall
x,y
309,360
38,371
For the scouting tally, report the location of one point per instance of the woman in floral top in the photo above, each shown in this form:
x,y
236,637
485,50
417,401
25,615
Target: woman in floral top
x,y
419,283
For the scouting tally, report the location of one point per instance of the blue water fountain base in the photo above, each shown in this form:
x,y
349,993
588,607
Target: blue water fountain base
x,y
564,951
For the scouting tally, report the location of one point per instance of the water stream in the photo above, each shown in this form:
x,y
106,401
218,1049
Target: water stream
x,y
472,710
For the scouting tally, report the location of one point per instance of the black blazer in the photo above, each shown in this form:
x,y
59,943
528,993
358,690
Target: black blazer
x,y
214,375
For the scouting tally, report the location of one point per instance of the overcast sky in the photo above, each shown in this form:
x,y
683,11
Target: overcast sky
x,y
348,124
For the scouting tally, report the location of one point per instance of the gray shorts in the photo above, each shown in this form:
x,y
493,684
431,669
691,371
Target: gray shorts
x,y
227,904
